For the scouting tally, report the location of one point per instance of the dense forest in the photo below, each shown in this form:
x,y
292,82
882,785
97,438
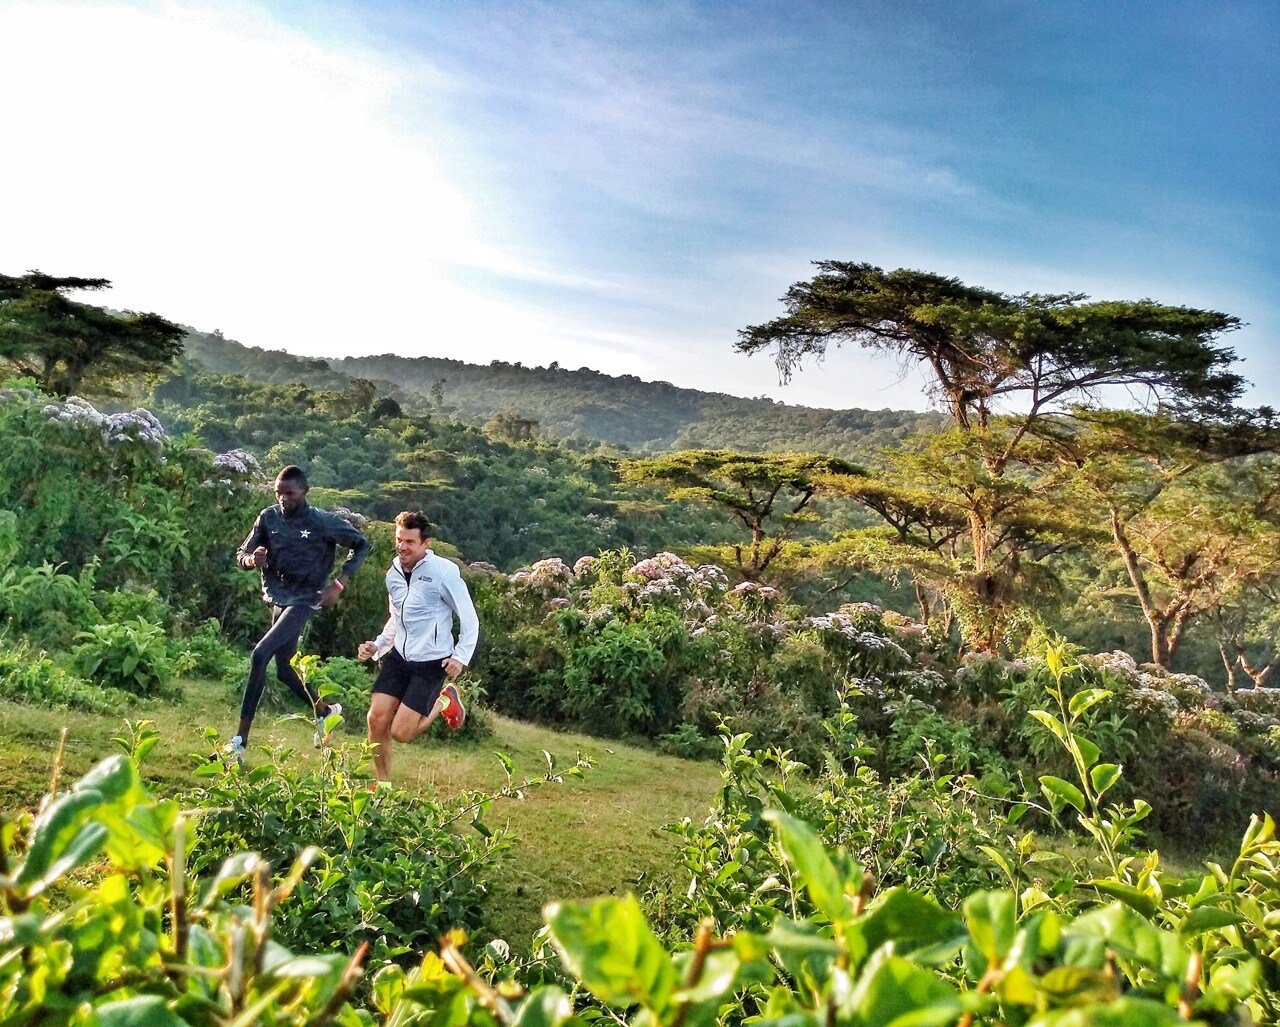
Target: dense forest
x,y
582,404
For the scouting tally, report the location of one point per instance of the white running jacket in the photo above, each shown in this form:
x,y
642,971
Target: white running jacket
x,y
421,623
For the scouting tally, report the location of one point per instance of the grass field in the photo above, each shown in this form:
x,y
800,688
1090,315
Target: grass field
x,y
620,807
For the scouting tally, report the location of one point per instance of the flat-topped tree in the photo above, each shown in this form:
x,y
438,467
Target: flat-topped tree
x,y
63,344
990,352
1001,365
768,494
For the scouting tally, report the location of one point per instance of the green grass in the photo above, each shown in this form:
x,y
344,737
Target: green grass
x,y
574,840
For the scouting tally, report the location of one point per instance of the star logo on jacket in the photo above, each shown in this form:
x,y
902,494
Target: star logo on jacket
x,y
305,534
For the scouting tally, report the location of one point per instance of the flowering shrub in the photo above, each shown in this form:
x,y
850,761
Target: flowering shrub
x,y
139,425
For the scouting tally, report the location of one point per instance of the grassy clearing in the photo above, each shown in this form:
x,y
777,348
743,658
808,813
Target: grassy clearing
x,y
580,839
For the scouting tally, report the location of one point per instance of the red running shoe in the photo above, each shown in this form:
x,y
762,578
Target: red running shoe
x,y
450,706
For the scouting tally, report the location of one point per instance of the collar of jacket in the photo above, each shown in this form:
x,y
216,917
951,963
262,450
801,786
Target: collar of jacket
x,y
395,562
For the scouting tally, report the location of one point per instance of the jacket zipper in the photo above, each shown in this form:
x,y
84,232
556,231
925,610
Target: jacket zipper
x,y
408,584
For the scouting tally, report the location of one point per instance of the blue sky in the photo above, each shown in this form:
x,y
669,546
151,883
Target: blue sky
x,y
625,185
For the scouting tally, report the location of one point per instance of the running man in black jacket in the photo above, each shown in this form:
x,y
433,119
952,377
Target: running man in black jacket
x,y
293,546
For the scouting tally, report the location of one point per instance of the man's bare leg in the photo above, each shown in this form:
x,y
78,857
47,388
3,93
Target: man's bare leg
x,y
409,724
383,710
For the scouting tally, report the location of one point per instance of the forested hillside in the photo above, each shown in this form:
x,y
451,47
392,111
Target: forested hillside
x,y
623,410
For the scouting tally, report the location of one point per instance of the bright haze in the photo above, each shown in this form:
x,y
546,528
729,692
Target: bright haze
x,y
625,185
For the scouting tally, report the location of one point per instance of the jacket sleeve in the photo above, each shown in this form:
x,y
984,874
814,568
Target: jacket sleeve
x,y
457,596
340,533
387,637
257,537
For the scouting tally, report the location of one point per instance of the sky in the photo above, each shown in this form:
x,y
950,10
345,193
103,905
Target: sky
x,y
624,186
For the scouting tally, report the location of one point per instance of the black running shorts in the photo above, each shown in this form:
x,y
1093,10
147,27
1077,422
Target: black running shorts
x,y
416,685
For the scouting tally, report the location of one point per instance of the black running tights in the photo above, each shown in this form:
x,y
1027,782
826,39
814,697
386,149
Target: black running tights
x,y
279,644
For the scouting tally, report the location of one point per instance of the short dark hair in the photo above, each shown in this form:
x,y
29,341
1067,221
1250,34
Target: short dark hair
x,y
294,474
410,519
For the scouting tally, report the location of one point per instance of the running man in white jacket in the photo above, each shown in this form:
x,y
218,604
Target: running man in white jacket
x,y
419,656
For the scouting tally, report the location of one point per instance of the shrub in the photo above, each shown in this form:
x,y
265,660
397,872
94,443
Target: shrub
x,y
398,870
141,942
131,656
127,604
206,654
47,604
34,678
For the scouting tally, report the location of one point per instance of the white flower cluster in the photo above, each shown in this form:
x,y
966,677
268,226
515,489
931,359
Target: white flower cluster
x,y
756,591
1251,723
484,567
664,565
1188,689
238,462
540,472
982,668
584,565
844,627
1256,700
132,426
550,574
16,395
603,523
1153,701
1119,664
356,520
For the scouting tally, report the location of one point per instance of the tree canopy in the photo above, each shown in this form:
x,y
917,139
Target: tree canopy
x,y
983,347
61,343
766,494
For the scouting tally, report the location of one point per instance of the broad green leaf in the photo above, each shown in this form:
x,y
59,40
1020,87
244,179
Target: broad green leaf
x,y
719,972
609,946
891,989
54,830
910,921
1060,793
1086,699
1076,985
992,920
1124,1012
1207,918
88,841
547,1006
143,1011
1132,938
388,987
1103,776
1128,894
1051,722
804,853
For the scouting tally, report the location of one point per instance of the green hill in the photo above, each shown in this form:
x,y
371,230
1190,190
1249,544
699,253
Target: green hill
x,y
619,409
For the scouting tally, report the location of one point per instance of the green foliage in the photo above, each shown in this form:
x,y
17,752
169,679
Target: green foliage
x,y
397,870
63,344
139,940
27,676
47,604
205,653
132,656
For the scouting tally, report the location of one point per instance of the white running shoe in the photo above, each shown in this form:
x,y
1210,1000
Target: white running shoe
x,y
321,737
235,750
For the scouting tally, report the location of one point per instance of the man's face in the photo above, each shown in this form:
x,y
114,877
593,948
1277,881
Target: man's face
x,y
410,545
290,495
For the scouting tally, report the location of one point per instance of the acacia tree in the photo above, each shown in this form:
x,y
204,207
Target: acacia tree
x,y
1000,365
62,343
1191,515
768,495
927,492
